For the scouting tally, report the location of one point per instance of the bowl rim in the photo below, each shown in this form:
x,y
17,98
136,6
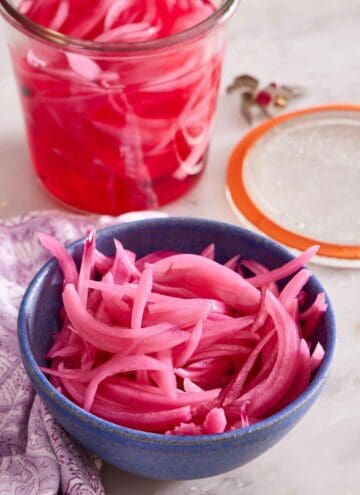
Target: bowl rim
x,y
42,382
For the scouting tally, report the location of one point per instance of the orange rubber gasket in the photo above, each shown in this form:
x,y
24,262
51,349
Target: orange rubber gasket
x,y
243,202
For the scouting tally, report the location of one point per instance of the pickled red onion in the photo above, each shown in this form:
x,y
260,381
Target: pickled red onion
x,y
206,365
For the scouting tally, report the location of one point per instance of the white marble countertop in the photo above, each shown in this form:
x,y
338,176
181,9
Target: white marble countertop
x,y
314,43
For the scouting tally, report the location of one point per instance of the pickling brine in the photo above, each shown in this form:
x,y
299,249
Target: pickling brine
x,y
121,118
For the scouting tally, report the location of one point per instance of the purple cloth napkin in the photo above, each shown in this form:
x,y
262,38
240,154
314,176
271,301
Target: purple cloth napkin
x,y
37,457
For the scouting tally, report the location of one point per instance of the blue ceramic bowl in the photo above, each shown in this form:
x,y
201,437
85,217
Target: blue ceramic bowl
x,y
148,454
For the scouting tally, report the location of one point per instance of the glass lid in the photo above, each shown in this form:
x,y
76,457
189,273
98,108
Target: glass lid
x,y
296,178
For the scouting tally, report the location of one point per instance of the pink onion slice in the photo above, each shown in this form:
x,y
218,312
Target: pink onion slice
x,y
220,350
61,15
234,388
87,266
153,258
263,397
259,269
114,11
115,365
190,429
166,379
191,345
83,66
262,314
190,386
215,331
317,357
209,252
215,421
206,278
141,297
126,259
66,263
285,270
232,262
294,286
26,6
302,378
312,316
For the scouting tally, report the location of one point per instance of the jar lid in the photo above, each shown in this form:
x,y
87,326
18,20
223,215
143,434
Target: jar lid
x,y
296,179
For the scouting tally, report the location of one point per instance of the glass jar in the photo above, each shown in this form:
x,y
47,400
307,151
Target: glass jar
x,y
115,127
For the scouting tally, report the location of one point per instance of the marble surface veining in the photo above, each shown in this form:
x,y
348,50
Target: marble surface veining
x,y
316,44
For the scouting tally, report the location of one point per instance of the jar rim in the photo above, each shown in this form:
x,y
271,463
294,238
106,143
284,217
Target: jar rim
x,y
24,24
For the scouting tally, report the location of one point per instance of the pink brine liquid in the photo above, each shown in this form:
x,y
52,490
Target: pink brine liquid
x,y
118,131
